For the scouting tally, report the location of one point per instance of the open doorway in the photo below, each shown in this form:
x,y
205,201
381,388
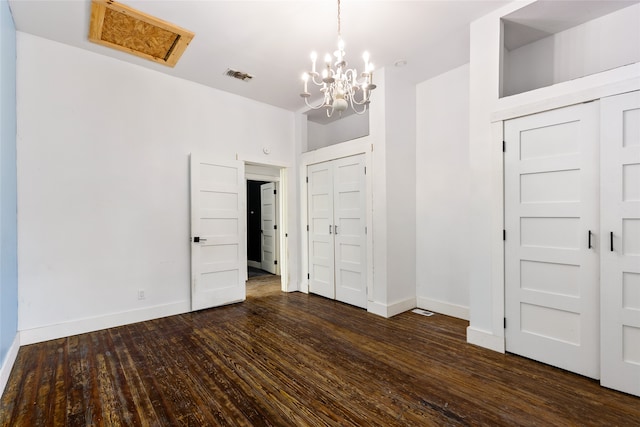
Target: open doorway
x,y
264,228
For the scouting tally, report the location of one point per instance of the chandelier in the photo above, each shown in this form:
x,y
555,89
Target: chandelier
x,y
340,86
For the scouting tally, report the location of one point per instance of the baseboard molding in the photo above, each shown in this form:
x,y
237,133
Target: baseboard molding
x,y
254,264
485,339
81,326
8,362
448,309
390,310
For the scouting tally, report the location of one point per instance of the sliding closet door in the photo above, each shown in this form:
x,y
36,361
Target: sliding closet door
x,y
320,211
551,260
620,242
349,230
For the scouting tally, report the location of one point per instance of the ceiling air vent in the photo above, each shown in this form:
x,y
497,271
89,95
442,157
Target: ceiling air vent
x,y
245,77
120,27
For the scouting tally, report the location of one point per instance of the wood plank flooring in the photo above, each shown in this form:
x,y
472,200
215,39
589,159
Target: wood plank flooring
x,y
295,360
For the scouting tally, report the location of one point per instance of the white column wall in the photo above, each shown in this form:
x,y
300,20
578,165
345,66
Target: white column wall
x,y
103,184
442,193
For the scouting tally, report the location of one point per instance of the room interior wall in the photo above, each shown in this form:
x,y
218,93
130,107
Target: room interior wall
x,y
341,130
103,183
8,194
442,193
400,143
598,45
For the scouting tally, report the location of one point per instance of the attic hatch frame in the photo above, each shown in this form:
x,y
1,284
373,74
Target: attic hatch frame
x,y
123,28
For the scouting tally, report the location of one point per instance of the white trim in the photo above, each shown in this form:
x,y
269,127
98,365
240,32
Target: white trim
x,y
9,360
485,339
81,326
443,307
390,310
619,80
258,177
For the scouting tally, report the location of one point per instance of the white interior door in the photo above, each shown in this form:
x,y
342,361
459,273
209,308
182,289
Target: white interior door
x,y
321,245
551,219
268,227
620,242
218,233
349,230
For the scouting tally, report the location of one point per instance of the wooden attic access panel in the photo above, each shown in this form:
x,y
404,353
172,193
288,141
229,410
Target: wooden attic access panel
x,y
123,28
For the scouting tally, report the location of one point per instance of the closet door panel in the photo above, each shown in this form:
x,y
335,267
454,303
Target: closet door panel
x,y
350,237
321,244
620,243
551,220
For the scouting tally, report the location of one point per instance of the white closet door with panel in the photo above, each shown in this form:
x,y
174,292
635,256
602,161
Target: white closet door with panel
x,y
321,245
349,230
551,260
337,230
620,242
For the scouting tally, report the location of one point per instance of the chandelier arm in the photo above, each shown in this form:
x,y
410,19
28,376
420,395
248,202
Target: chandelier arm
x,y
316,107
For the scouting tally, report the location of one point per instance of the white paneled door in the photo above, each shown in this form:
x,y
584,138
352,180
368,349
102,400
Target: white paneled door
x,y
349,206
218,233
620,242
321,245
551,223
268,227
336,194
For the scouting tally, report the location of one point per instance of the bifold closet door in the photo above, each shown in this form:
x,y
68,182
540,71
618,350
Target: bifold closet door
x,y
551,222
620,242
321,245
349,230
337,230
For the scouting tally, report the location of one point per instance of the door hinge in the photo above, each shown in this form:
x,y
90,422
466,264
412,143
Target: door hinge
x,y
275,262
365,229
307,227
275,226
308,276
307,180
505,323
365,170
274,191
504,234
504,146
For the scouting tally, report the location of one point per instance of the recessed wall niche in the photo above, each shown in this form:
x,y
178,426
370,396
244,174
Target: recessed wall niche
x,y
550,42
323,131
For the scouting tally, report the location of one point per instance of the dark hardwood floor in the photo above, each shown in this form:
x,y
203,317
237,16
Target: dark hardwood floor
x,y
295,360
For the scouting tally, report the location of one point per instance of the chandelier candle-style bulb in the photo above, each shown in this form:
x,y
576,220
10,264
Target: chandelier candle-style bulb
x,y
340,87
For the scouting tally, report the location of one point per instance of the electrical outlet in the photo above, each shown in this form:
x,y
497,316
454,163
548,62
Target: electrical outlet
x,y
140,293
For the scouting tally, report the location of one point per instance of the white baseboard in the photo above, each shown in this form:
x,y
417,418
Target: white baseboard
x,y
448,309
485,339
81,326
390,310
8,362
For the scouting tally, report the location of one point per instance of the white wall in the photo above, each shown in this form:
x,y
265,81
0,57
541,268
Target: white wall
x,y
442,193
601,44
103,184
400,149
341,130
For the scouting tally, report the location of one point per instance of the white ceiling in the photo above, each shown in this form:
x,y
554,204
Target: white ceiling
x,y
272,39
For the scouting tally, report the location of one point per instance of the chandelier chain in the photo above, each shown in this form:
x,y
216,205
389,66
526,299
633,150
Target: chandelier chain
x,y
339,33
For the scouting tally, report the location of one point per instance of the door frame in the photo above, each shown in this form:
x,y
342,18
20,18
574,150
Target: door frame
x,y
281,183
333,152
